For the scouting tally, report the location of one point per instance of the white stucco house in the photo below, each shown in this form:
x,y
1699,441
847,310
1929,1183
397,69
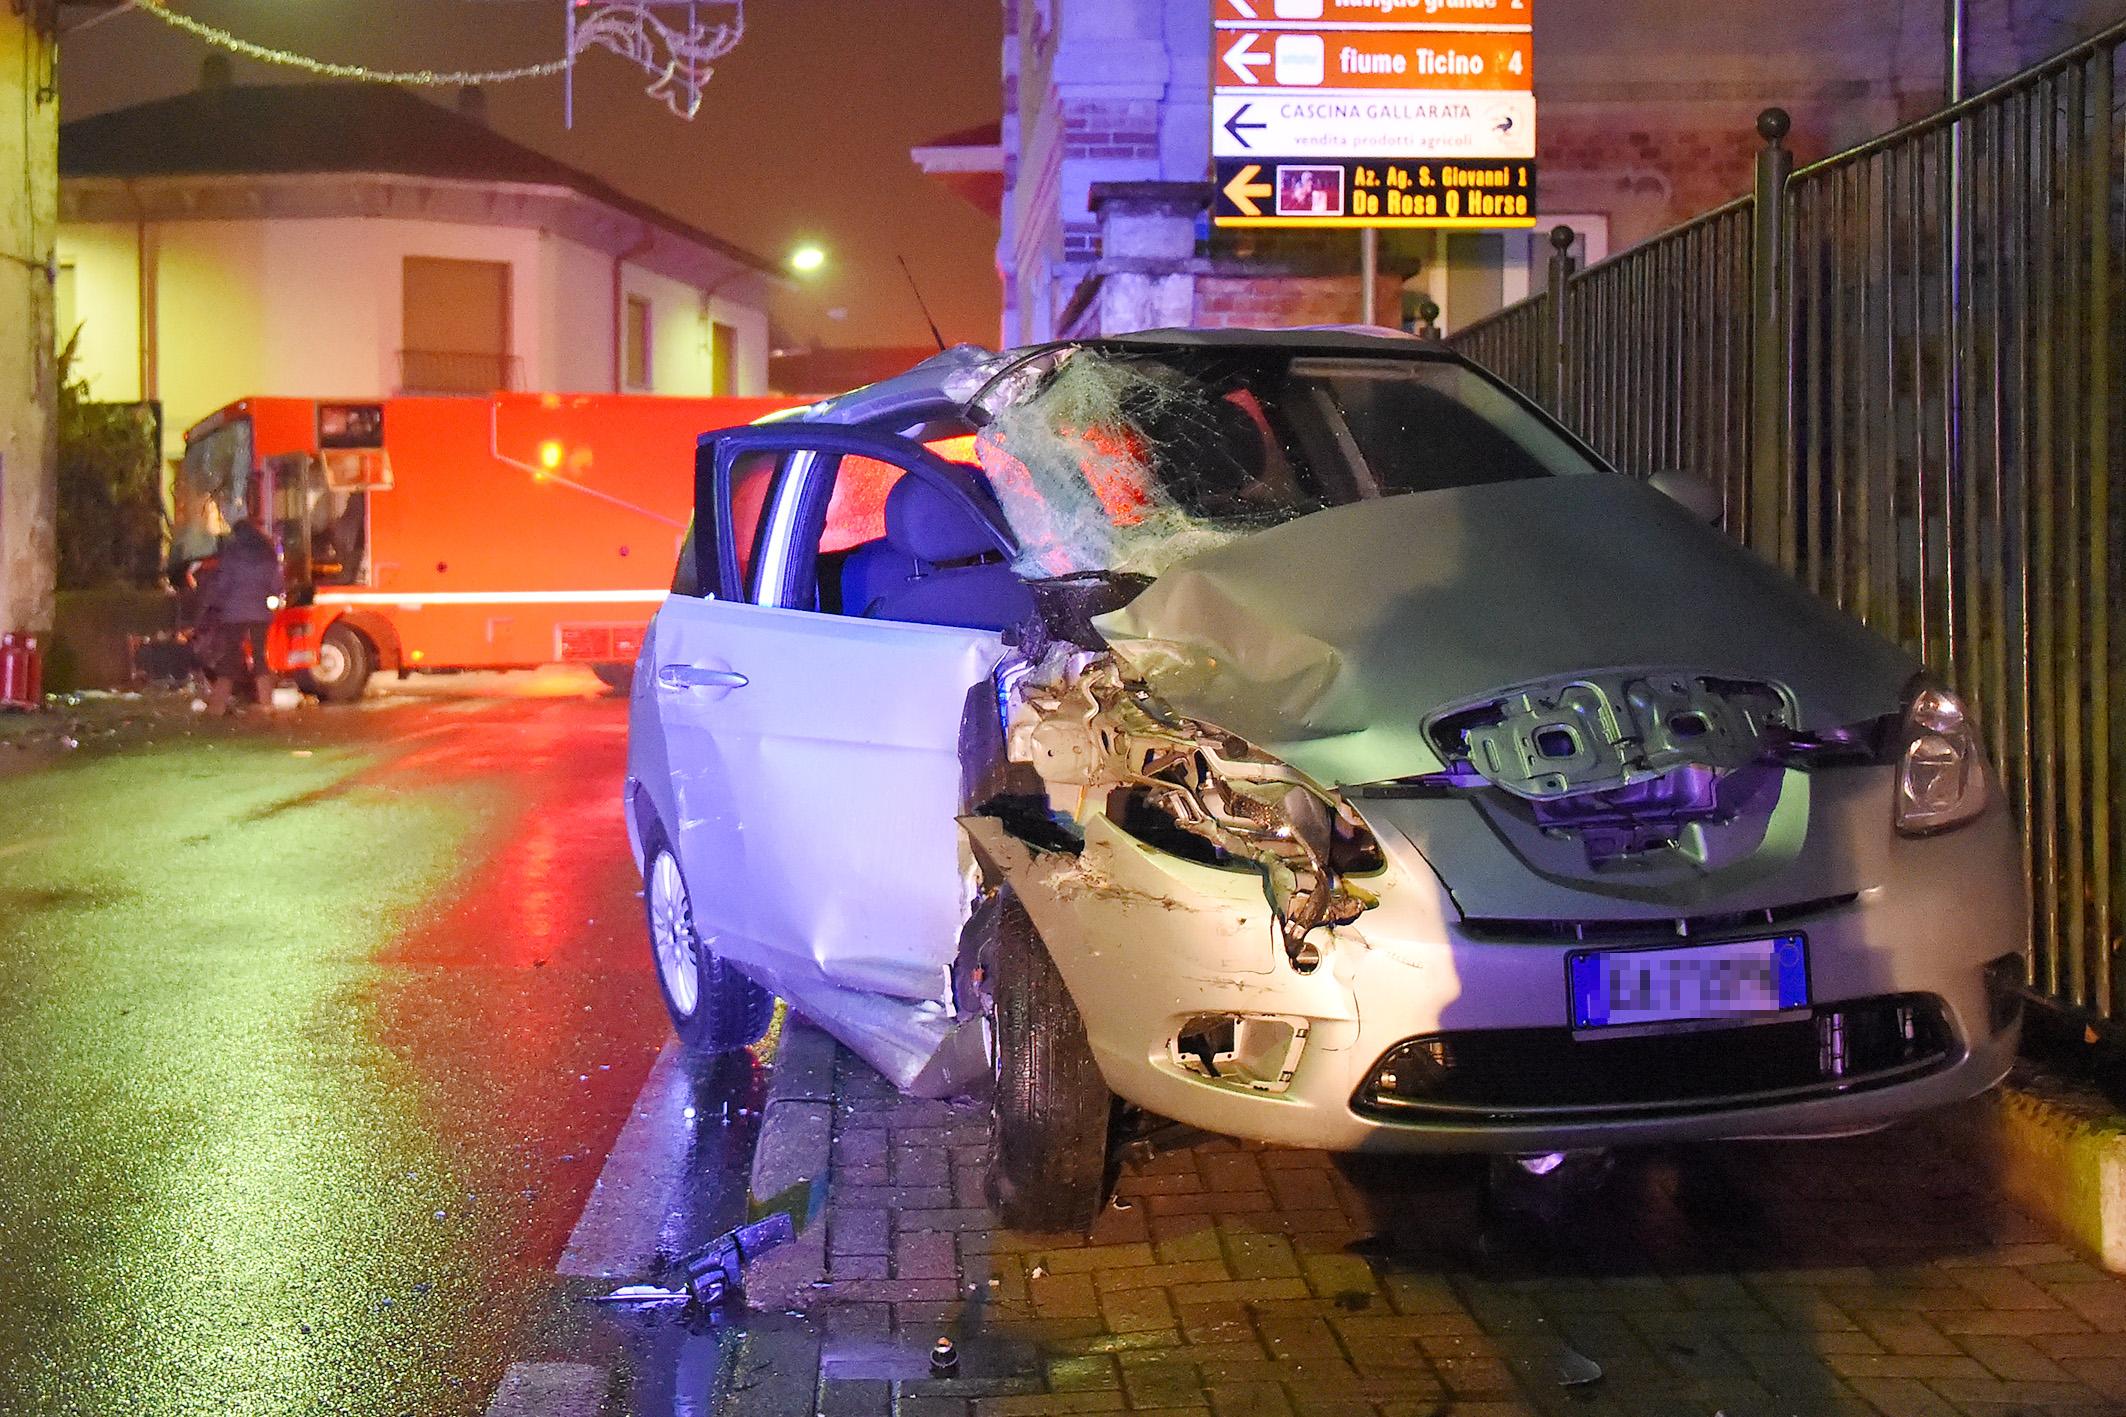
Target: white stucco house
x,y
355,241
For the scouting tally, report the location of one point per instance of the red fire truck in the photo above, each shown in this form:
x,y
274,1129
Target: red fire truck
x,y
425,534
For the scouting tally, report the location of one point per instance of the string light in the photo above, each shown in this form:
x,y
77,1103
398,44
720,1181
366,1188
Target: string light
x,y
325,69
679,57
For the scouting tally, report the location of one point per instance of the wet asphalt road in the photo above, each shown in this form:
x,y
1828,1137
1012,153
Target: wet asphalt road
x,y
315,1034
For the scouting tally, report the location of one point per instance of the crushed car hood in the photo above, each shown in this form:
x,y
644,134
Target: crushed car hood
x,y
1329,640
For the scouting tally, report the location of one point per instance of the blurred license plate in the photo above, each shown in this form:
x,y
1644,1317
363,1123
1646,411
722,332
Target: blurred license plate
x,y
1697,983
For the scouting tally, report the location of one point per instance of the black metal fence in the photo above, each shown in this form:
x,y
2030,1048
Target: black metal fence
x,y
1903,366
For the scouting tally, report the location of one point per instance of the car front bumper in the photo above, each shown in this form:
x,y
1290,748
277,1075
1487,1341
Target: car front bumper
x,y
1154,948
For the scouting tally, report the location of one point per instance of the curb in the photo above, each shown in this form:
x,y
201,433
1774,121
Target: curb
x,y
790,1165
2060,1152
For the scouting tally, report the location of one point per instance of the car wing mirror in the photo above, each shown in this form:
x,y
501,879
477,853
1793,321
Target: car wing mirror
x,y
1695,494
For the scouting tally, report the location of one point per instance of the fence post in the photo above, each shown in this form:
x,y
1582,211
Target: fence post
x,y
1768,343
1558,370
2098,470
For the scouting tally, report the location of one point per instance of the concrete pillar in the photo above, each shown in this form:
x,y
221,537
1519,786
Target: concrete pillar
x,y
1147,265
29,223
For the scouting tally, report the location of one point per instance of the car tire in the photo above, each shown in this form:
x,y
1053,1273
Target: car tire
x,y
617,677
345,660
715,1009
1052,1114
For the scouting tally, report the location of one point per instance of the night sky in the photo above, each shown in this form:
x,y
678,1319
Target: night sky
x,y
803,133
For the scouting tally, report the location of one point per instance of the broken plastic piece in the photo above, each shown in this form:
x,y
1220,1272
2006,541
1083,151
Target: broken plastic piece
x,y
715,1273
1576,1369
643,1296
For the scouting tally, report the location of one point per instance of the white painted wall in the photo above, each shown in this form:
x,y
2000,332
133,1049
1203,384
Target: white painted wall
x,y
576,304
104,257
313,308
679,342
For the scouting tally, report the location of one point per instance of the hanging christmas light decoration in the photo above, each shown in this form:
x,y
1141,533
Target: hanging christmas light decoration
x,y
677,41
326,69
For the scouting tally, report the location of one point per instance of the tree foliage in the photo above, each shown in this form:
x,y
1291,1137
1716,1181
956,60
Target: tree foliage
x,y
110,489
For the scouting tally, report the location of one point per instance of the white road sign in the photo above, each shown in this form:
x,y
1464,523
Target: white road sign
x,y
1416,123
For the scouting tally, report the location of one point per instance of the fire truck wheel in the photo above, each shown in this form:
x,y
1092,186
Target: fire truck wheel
x,y
345,660
617,677
714,1007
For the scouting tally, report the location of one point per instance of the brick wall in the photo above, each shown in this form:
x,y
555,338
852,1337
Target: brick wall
x,y
1111,129
1257,301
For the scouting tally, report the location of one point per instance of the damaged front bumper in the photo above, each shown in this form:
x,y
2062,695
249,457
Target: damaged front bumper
x,y
1412,1024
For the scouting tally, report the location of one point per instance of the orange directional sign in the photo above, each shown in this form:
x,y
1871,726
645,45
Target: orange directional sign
x,y
1358,14
1373,112
1376,59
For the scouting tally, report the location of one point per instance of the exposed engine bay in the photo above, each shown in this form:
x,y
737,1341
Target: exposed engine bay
x,y
1190,789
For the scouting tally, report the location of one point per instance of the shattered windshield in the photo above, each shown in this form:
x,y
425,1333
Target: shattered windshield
x,y
209,493
1129,461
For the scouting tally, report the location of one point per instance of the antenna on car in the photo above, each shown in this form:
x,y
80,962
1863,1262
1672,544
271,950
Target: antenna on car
x,y
921,304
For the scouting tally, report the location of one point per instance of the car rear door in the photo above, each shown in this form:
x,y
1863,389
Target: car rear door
x,y
813,757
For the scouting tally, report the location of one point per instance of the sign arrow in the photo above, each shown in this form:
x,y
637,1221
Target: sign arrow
x,y
1243,60
1234,126
1244,189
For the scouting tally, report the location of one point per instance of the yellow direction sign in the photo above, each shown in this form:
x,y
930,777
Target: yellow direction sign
x,y
1244,189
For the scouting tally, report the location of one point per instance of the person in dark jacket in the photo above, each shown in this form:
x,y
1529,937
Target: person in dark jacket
x,y
236,602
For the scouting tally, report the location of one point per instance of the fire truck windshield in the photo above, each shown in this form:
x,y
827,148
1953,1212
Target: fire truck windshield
x,y
212,490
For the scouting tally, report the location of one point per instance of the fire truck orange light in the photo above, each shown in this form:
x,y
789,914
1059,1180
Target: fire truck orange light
x,y
550,454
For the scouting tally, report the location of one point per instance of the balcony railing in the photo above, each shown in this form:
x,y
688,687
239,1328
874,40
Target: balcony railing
x,y
447,371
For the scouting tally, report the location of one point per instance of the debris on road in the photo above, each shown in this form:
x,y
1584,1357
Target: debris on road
x,y
1575,1369
643,1296
714,1275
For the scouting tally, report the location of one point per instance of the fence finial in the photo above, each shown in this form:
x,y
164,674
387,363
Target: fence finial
x,y
1774,124
1561,238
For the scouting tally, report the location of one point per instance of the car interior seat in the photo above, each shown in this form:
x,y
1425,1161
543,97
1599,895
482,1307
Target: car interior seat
x,y
956,577
869,570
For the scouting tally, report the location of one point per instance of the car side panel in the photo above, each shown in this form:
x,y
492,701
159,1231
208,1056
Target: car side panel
x,y
816,802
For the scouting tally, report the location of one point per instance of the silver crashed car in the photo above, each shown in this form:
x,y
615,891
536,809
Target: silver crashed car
x,y
1297,735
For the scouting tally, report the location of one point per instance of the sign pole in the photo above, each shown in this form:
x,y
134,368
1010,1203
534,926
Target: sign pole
x,y
1368,271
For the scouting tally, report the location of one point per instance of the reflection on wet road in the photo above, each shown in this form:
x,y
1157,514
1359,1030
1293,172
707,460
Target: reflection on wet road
x,y
314,1038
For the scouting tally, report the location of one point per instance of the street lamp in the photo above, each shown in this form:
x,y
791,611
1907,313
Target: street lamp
x,y
807,259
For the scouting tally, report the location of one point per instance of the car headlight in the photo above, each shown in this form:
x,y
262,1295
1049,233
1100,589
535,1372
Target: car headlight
x,y
1941,768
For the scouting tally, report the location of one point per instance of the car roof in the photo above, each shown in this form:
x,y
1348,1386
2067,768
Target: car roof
x,y
1352,339
943,383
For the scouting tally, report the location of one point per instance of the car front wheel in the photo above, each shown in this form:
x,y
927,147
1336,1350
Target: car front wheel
x,y
714,1007
1049,1136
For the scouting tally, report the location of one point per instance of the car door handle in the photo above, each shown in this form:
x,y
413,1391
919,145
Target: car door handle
x,y
694,676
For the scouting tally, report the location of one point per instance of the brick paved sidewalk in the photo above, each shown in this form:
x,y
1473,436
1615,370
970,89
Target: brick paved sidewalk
x,y
1877,1275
